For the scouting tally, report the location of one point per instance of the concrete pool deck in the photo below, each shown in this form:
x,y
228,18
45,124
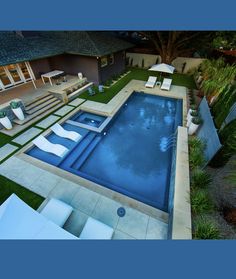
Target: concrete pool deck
x,y
134,225
140,222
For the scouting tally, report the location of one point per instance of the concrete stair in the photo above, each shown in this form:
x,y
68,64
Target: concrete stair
x,y
39,108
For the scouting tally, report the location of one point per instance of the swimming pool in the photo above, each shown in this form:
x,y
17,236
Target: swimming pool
x,y
132,156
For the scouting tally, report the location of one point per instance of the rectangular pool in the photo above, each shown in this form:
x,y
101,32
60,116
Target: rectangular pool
x,y
132,156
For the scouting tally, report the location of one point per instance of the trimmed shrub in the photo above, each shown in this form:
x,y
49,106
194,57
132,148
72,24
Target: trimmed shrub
x,y
2,114
205,229
200,201
196,152
200,179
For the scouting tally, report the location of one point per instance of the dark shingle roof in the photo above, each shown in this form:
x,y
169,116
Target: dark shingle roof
x,y
14,48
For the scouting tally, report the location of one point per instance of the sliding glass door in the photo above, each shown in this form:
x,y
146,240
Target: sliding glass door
x,y
14,74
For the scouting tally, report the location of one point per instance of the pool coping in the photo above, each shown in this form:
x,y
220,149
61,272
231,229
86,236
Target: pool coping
x,y
108,110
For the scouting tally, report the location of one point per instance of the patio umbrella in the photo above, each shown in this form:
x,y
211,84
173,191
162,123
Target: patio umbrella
x,y
164,68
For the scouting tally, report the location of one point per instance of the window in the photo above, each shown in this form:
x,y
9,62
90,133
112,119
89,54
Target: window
x,y
104,61
111,59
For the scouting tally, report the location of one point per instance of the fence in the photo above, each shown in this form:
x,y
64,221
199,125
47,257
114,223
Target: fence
x,y
208,132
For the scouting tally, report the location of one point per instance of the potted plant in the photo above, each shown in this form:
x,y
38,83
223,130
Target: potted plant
x,y
5,121
193,113
195,123
192,108
15,106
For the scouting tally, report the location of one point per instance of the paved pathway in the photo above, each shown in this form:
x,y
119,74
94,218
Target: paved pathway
x,y
47,121
7,150
64,110
27,136
76,102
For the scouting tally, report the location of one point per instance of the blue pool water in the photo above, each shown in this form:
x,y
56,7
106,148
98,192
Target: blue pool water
x,y
88,118
132,156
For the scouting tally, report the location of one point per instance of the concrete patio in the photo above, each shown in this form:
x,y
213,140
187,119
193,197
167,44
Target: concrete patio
x,y
134,225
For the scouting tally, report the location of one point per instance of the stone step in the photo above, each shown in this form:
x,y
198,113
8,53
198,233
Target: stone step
x,y
37,99
40,101
42,105
47,109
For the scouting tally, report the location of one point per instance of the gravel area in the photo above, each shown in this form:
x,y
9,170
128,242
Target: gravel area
x,y
223,193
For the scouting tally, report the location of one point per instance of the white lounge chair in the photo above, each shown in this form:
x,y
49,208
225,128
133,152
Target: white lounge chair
x,y
166,84
57,211
95,229
61,132
57,149
151,82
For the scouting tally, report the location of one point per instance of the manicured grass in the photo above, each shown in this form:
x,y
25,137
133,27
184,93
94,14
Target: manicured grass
x,y
138,74
8,187
4,139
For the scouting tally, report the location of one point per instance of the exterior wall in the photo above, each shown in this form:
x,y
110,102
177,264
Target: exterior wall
x,y
191,63
73,64
40,66
110,70
149,59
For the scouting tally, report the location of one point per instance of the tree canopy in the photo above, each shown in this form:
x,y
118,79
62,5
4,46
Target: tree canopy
x,y
171,44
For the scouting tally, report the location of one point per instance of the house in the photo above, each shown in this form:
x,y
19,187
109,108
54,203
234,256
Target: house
x,y
24,56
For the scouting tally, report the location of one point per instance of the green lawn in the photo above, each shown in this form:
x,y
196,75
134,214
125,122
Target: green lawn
x,y
139,74
7,187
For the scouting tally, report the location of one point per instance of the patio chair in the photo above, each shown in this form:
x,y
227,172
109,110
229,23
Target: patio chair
x,y
95,229
151,82
80,75
101,88
61,132
57,211
57,149
166,84
91,91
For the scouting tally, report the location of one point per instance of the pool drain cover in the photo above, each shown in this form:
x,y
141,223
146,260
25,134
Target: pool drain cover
x,y
121,212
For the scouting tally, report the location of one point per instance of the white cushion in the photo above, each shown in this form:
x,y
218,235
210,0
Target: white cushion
x,y
95,229
57,211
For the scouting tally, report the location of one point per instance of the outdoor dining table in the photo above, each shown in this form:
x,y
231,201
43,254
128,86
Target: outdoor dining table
x,y
51,74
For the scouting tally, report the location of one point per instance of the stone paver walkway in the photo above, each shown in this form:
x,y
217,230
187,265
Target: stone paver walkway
x,y
76,102
134,225
7,150
27,136
47,121
64,110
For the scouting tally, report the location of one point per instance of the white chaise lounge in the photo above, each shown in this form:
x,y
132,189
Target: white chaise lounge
x,y
57,211
166,84
151,82
57,149
95,229
61,132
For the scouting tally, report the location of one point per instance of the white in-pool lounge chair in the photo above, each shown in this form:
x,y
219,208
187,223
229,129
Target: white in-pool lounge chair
x,y
61,132
57,149
151,82
166,84
95,229
57,211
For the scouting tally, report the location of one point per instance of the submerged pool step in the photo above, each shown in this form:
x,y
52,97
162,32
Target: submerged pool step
x,y
77,150
84,155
